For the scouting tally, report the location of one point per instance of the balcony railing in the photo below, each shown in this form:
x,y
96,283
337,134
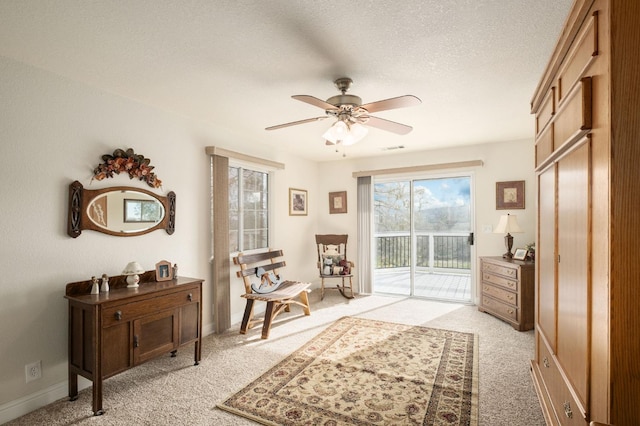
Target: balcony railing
x,y
433,250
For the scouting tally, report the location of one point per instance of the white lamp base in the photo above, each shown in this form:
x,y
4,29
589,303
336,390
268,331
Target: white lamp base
x,y
133,281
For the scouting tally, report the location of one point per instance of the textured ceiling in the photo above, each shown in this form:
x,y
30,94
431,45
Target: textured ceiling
x,y
235,64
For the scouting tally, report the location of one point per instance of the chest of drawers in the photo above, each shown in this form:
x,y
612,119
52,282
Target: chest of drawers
x,y
112,332
507,291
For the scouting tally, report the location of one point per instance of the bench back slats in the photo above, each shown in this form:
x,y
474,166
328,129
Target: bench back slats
x,y
249,263
256,257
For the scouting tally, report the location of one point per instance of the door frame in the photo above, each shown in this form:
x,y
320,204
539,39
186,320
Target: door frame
x,y
472,222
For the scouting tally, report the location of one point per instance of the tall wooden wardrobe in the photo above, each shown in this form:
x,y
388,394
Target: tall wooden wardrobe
x,y
587,113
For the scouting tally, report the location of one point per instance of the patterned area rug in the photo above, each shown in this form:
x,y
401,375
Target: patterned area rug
x,y
363,372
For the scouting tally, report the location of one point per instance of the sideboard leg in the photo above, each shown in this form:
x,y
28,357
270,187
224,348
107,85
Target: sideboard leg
x,y
196,355
73,386
97,397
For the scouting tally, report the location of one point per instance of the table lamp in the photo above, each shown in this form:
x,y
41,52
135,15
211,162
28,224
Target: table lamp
x,y
131,271
508,223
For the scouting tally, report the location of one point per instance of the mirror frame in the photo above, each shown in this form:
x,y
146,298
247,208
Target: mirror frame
x,y
80,198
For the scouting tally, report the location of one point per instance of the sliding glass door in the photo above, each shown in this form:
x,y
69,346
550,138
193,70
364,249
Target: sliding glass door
x,y
423,232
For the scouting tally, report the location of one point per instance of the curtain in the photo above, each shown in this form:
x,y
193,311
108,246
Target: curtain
x,y
220,226
365,222
220,262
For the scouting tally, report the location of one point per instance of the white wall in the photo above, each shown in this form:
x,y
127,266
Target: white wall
x,y
55,131
506,161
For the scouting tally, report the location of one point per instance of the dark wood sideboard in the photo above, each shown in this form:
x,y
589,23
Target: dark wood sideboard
x,y
115,331
507,290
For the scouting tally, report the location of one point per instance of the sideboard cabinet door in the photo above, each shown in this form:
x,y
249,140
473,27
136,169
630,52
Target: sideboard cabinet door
x,y
155,335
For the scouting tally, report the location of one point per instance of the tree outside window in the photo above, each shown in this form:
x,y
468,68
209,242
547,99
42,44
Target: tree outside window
x,y
248,209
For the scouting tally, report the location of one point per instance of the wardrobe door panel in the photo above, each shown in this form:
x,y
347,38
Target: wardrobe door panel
x,y
573,268
546,256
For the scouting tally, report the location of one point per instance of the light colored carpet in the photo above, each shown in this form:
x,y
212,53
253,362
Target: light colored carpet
x,y
171,391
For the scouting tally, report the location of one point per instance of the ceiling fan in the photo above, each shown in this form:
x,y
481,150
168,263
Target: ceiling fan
x,y
352,115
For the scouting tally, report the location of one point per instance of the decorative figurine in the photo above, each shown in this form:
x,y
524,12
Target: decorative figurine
x,y
175,271
105,284
95,287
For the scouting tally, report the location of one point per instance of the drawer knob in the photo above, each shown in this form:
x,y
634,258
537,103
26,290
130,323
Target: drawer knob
x,y
567,410
190,297
545,362
118,315
510,311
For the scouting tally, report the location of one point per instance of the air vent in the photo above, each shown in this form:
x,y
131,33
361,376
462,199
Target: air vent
x,y
392,148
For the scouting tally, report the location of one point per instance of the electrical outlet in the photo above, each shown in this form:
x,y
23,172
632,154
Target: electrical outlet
x,y
33,371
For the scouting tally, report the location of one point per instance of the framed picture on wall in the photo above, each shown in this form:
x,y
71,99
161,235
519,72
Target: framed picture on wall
x,y
298,202
337,202
510,195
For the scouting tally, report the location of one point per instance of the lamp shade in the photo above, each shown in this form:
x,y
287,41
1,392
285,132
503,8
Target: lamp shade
x,y
132,268
508,224
345,133
356,132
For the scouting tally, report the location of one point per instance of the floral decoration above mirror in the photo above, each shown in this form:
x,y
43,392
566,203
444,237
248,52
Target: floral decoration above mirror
x,y
136,166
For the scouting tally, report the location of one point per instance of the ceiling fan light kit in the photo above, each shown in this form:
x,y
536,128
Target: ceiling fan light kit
x,y
345,133
352,116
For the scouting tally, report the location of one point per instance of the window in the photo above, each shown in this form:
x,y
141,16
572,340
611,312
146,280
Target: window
x,y
142,211
248,209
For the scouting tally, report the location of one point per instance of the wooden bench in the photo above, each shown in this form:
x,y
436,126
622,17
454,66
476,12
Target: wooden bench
x,y
278,300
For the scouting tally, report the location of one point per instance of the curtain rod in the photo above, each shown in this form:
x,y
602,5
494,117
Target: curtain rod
x,y
422,168
213,150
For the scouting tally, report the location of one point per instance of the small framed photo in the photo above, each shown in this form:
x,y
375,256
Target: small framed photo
x,y
164,272
337,202
520,254
298,202
510,195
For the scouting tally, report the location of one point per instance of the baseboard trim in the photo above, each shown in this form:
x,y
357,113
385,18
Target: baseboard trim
x,y
21,406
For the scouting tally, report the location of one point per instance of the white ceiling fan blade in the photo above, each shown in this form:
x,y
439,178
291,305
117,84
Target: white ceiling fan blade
x,y
388,125
294,123
392,103
312,100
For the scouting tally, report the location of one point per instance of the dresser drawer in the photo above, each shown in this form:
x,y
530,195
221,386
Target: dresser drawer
x,y
500,281
131,311
499,308
500,294
567,410
500,270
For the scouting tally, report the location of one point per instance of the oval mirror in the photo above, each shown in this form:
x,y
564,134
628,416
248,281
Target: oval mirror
x,y
125,211
121,211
